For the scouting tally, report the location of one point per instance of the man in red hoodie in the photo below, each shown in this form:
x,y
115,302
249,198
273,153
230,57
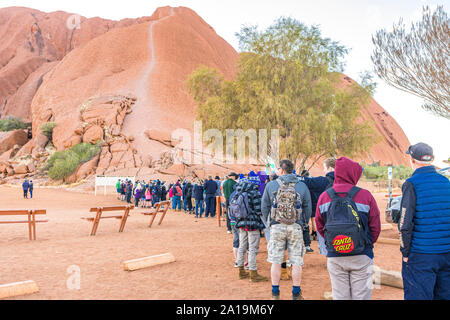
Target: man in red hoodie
x,y
351,273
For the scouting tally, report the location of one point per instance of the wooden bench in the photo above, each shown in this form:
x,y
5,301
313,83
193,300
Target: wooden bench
x,y
99,215
31,214
158,208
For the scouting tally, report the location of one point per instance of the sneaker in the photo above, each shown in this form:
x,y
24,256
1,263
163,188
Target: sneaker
x,y
275,296
309,250
228,231
246,266
236,265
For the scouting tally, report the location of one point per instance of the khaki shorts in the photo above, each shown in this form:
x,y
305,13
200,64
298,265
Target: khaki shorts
x,y
288,237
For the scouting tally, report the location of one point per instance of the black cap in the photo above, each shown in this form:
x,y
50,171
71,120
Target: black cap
x,y
233,174
421,152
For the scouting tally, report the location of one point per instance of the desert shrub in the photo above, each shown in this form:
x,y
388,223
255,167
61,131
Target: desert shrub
x,y
63,163
47,129
11,123
377,172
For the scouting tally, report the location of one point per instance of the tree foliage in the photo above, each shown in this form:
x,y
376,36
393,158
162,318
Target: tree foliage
x,y
417,60
287,80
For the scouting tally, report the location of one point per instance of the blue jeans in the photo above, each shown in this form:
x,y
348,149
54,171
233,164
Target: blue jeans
x,y
176,202
210,205
427,276
155,200
198,206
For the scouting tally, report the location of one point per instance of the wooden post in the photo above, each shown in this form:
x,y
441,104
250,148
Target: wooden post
x,y
17,289
29,225
164,213
218,209
96,221
33,215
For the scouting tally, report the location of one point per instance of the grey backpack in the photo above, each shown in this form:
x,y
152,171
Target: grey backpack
x,y
239,205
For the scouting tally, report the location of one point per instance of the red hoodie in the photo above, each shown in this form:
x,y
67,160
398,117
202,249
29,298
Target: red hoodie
x,y
347,175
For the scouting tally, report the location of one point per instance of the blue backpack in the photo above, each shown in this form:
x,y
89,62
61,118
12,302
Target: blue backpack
x,y
239,205
344,230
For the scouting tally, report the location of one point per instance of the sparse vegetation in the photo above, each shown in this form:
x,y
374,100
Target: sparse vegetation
x,y
47,129
11,123
63,163
376,172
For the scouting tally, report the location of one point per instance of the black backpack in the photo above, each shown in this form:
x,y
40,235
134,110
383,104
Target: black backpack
x,y
344,229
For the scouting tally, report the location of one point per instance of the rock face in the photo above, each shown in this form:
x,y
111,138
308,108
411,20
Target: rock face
x,y
122,84
32,44
9,139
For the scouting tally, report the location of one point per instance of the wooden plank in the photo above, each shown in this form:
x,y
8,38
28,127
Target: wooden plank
x,y
387,277
13,212
18,289
388,241
21,221
96,221
146,262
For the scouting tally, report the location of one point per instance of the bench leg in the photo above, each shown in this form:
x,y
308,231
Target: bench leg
x,y
29,226
163,215
152,219
96,222
34,224
124,220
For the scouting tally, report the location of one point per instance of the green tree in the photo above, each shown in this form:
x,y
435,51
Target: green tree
x,y
417,60
288,79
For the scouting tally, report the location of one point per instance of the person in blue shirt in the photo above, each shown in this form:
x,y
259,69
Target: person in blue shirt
x,y
424,228
25,187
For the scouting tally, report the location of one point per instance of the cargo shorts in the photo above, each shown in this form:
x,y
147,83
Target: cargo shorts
x,y
284,237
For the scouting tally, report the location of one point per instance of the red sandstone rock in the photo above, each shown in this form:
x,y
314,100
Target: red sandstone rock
x,y
9,139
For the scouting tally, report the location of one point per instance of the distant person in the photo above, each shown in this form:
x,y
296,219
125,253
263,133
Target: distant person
x,y
227,188
118,185
187,197
425,229
219,194
177,193
30,189
198,197
129,191
245,210
349,219
210,197
25,187
286,205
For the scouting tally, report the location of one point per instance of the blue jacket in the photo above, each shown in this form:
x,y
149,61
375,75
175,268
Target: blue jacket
x,y
25,186
198,192
210,187
425,216
317,186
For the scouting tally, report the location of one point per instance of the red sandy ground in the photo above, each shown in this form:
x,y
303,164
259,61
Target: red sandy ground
x,y
203,270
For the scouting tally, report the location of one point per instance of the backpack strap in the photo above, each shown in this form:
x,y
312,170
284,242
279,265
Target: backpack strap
x,y
332,194
353,191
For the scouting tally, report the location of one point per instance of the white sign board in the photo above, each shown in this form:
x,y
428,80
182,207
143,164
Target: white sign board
x,y
108,181
390,173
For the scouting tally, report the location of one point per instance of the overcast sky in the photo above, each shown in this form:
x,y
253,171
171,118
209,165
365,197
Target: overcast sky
x,y
352,22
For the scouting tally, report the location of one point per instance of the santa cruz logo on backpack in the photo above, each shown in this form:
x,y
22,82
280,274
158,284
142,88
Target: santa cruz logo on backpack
x,y
344,232
287,205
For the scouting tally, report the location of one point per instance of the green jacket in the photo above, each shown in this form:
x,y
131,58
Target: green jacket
x,y
228,188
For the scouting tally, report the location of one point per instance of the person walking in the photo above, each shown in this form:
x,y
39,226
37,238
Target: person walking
x,y
245,211
349,220
424,228
25,187
210,197
286,206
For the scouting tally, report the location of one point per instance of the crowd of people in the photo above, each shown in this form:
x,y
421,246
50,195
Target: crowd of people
x,y
290,210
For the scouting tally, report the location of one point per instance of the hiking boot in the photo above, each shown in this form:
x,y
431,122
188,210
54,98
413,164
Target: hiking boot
x,y
255,277
298,296
243,274
275,296
285,274
309,250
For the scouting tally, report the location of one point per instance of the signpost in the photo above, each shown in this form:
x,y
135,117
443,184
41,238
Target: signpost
x,y
390,185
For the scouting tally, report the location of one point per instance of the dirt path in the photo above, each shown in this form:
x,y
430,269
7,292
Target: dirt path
x,y
203,270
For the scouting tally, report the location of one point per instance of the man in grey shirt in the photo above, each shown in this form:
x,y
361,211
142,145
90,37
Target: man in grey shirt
x,y
284,236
